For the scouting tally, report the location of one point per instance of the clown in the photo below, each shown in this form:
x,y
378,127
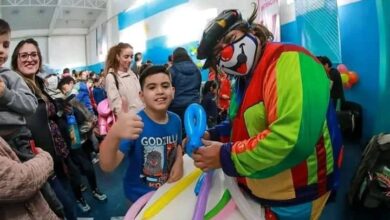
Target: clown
x,y
283,139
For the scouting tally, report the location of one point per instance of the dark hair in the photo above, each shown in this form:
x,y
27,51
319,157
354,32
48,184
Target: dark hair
x,y
136,56
4,27
65,81
325,60
144,66
66,70
170,58
180,54
151,70
207,86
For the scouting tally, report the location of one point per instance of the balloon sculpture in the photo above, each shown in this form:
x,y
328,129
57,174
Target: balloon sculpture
x,y
348,77
232,198
195,125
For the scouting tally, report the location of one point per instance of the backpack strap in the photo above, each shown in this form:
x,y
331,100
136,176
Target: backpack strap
x,y
116,80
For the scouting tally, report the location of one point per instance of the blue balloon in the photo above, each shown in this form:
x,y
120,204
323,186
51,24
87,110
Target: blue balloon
x,y
195,124
199,184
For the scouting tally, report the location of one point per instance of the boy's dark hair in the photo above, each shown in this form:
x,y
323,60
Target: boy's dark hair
x,y
151,70
66,70
4,27
325,60
65,81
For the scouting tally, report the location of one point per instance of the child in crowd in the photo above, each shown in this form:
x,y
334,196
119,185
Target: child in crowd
x,y
99,94
17,102
154,153
77,152
209,93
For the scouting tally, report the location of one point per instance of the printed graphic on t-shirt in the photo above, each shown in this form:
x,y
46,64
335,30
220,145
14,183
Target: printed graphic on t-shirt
x,y
157,159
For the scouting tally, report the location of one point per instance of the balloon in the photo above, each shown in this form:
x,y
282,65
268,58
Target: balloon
x,y
227,210
242,203
138,205
342,68
201,202
219,206
195,125
344,78
169,195
353,77
199,184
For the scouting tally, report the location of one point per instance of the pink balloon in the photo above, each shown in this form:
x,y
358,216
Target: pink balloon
x,y
342,68
226,211
138,205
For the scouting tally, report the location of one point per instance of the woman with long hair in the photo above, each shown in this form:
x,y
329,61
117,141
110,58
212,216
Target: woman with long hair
x,y
121,81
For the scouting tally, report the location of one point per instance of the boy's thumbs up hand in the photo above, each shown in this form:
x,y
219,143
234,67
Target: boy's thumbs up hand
x,y
128,125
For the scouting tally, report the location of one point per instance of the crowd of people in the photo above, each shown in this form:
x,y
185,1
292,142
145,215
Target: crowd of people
x,y
262,129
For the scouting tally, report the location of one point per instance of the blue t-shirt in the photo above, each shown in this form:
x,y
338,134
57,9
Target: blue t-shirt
x,y
151,156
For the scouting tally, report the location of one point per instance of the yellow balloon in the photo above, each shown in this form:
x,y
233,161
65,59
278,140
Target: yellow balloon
x,y
169,195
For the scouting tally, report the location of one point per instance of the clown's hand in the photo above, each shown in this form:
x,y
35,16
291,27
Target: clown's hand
x,y
207,157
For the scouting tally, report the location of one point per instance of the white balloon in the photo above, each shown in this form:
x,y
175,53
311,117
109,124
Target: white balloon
x,y
248,208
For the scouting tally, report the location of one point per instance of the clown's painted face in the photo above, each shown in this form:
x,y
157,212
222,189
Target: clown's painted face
x,y
238,57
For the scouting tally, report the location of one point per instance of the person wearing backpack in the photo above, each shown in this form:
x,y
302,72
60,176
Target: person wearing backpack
x,y
121,81
370,187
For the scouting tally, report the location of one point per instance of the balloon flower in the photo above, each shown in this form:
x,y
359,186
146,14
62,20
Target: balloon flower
x,y
348,77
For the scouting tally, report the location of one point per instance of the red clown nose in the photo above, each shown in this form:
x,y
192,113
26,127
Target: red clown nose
x,y
227,53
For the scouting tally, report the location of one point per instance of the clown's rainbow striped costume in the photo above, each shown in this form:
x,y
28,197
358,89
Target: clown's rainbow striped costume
x,y
284,140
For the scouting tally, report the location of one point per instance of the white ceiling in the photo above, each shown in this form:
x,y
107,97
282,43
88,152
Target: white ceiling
x,y
51,14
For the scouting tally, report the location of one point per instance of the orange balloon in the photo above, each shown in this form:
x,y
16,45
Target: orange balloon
x,y
353,77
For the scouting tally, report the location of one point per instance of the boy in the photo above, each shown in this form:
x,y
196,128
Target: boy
x,y
16,99
79,153
154,153
85,118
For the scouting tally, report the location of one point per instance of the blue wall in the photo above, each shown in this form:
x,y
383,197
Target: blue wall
x,y
360,51
135,15
383,7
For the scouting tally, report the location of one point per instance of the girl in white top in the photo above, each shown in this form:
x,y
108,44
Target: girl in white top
x,y
126,85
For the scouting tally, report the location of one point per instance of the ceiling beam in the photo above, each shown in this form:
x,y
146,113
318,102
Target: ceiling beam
x,y
54,18
89,4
